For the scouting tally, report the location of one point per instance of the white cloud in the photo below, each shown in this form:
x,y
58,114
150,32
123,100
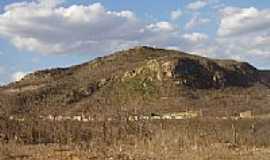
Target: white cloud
x,y
194,6
161,26
247,46
235,21
196,21
57,30
253,49
51,28
17,76
176,14
195,37
36,27
244,34
79,29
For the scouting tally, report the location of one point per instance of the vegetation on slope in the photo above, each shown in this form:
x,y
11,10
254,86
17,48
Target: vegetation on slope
x,y
136,77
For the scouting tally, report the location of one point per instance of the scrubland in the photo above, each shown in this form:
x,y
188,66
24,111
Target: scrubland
x,y
195,139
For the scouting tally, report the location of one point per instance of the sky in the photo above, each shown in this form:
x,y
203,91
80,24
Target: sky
x,y
41,34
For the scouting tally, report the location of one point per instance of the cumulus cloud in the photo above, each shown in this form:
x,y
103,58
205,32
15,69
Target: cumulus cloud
x,y
195,43
50,28
247,47
252,49
235,21
194,6
195,37
176,14
35,27
161,26
17,76
46,26
196,21
244,34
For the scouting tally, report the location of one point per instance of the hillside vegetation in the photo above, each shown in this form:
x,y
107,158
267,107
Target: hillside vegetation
x,y
131,97
143,79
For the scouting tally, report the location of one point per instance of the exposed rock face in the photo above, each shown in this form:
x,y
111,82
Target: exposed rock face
x,y
131,77
265,77
197,73
152,67
168,68
209,74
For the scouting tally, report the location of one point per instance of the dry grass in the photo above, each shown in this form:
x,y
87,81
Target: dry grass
x,y
198,139
143,151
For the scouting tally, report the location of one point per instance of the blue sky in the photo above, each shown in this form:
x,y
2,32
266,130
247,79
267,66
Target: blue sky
x,y
39,34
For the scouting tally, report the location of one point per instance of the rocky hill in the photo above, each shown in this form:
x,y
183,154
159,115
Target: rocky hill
x,y
144,80
265,76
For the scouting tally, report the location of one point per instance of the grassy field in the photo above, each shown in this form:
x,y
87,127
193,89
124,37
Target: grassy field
x,y
196,139
58,152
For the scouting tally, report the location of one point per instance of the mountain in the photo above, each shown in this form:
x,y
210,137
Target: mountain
x,y
141,80
265,76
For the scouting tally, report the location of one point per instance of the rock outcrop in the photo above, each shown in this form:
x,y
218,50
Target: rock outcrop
x,y
136,77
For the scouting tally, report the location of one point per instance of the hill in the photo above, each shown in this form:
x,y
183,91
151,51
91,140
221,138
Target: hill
x,y
265,76
141,80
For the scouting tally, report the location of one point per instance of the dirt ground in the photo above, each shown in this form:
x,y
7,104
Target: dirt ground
x,y
56,152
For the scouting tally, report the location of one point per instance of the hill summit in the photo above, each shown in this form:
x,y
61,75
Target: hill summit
x,y
142,78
